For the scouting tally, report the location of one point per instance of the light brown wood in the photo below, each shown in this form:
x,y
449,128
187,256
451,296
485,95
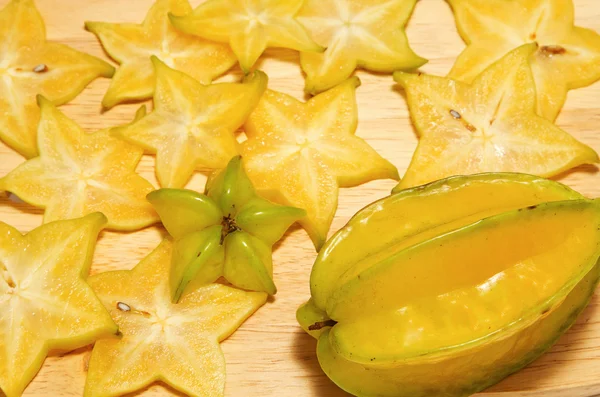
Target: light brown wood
x,y
270,355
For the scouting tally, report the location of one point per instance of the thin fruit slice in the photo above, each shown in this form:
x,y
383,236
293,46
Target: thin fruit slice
x,y
357,33
567,56
249,26
192,125
132,45
299,154
79,173
228,232
487,126
29,65
437,296
161,341
45,304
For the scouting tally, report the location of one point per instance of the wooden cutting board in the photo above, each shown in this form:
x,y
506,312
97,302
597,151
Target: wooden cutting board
x,y
269,355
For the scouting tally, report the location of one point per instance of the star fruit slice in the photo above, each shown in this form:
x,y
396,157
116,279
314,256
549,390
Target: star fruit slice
x,y
161,341
45,304
78,173
299,154
249,26
193,125
567,56
30,65
487,126
132,45
357,33
229,232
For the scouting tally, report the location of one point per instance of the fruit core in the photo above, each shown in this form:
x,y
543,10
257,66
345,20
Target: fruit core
x,y
229,226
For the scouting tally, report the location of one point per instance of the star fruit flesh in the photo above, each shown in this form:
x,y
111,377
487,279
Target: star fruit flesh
x,y
299,154
132,45
30,65
567,56
45,303
177,344
249,26
486,272
78,173
193,125
357,33
228,232
487,126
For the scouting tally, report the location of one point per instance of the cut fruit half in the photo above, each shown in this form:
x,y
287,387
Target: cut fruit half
x,y
79,173
299,154
487,126
162,341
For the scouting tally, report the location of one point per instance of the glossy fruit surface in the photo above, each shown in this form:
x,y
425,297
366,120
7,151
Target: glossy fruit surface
x,y
162,341
480,262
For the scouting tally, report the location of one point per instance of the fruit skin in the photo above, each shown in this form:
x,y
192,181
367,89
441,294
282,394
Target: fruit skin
x,y
425,211
227,232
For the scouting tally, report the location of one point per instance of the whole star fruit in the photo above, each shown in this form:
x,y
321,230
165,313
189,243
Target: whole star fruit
x,y
299,154
78,173
249,27
192,125
483,276
566,58
132,45
489,125
229,232
30,65
177,344
45,303
356,33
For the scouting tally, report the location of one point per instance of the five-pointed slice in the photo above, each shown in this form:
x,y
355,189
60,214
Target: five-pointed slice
x,y
79,173
249,26
132,45
45,303
29,65
192,125
567,56
489,125
228,232
161,341
300,153
357,33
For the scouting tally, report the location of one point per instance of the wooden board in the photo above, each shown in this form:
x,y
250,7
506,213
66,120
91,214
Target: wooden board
x,y
270,355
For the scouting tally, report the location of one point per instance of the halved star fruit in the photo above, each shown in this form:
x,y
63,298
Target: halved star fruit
x,y
299,154
177,344
78,173
228,232
30,65
567,56
248,26
487,126
132,45
486,272
193,125
357,33
45,303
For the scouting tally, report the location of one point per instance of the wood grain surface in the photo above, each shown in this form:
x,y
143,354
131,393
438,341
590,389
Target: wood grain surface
x,y
270,355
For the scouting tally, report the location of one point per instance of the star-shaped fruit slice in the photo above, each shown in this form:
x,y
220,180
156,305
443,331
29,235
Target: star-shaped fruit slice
x,y
228,232
78,173
177,344
567,56
132,45
30,65
357,33
299,154
487,126
249,26
45,304
192,125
